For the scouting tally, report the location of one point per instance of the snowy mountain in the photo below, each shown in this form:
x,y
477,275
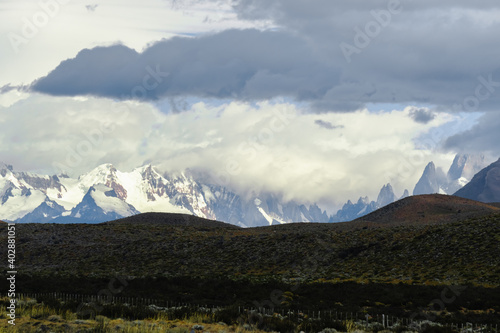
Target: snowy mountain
x,y
46,212
102,203
22,193
106,193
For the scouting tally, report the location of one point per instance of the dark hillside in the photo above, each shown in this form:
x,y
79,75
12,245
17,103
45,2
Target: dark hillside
x,y
455,252
173,220
430,209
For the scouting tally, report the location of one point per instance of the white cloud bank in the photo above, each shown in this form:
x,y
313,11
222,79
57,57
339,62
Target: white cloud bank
x,y
267,146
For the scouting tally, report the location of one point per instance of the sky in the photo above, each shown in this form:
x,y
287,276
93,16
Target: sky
x,y
318,100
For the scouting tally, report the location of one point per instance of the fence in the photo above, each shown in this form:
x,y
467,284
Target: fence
x,y
382,319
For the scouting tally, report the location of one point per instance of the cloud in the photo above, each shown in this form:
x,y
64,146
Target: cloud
x,y
91,8
327,124
422,115
403,62
237,64
424,52
6,88
484,136
11,94
240,145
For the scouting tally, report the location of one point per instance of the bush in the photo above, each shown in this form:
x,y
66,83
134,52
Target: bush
x,y
227,315
276,324
438,329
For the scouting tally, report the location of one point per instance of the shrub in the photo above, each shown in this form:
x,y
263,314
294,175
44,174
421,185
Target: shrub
x,y
227,315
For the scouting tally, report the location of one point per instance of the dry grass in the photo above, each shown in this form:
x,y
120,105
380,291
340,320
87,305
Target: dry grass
x,y
34,317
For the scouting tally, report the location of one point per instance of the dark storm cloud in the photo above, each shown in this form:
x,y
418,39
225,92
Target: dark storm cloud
x,y
240,64
436,53
422,116
287,10
484,136
416,51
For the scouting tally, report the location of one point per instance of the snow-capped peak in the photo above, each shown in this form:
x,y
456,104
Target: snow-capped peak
x,y
98,175
101,203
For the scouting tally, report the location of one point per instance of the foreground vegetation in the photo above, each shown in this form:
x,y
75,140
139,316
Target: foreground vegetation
x,y
53,315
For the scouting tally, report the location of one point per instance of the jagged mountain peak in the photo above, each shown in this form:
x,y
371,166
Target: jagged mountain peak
x,y
99,174
433,180
105,174
364,206
430,167
149,172
466,165
362,200
102,203
6,166
386,196
45,212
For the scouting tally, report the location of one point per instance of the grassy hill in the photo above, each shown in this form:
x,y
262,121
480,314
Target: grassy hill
x,y
458,252
172,219
430,209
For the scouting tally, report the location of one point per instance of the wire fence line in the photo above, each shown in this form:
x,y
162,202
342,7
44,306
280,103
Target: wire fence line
x,y
162,304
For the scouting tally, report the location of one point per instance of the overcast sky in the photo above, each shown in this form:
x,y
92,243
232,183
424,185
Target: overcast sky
x,y
320,100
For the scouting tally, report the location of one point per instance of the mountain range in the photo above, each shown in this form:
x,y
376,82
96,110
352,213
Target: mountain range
x,y
106,194
433,180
